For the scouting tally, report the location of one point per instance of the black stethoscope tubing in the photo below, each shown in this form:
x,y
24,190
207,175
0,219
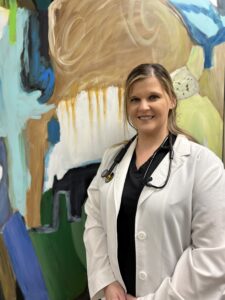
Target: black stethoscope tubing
x,y
108,174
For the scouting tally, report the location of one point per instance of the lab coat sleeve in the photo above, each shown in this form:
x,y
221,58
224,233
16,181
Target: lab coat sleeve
x,y
200,271
98,267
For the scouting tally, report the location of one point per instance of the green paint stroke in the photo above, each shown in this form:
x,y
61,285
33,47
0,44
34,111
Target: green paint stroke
x,y
77,229
198,116
12,21
65,276
12,6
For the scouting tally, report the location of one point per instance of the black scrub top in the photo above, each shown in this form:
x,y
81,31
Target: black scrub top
x,y
133,186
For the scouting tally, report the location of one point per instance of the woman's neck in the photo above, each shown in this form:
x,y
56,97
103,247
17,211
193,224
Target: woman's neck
x,y
146,141
147,145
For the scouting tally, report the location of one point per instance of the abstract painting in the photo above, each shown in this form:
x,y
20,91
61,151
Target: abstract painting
x,y
63,64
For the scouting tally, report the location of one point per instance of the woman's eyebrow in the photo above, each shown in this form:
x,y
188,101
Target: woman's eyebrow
x,y
149,93
133,96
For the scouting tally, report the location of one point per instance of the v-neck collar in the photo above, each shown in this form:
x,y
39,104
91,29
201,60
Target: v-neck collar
x,y
181,149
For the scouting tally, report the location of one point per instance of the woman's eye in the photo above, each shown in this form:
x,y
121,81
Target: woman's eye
x,y
134,100
153,97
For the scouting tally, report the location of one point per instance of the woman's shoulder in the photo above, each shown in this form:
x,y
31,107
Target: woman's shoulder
x,y
111,152
200,152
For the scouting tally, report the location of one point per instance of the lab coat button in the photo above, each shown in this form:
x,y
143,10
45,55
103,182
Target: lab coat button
x,y
142,275
141,235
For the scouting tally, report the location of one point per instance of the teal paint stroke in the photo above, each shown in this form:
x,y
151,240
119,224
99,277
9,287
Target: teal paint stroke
x,y
208,26
42,5
16,108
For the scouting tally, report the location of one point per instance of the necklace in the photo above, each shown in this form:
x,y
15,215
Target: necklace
x,y
151,160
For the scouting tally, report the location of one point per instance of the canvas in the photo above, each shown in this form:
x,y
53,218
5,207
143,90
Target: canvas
x,y
63,64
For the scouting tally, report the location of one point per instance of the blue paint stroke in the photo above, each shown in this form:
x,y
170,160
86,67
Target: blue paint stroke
x,y
37,73
204,23
16,108
5,209
42,5
24,260
53,131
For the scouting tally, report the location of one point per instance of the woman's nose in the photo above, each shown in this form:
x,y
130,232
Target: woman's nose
x,y
144,104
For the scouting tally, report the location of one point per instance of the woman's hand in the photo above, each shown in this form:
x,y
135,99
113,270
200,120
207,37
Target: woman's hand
x,y
130,297
114,291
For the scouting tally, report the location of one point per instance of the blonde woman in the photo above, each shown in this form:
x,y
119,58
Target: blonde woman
x,y
155,225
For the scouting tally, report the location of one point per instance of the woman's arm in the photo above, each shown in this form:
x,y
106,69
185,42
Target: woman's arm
x,y
200,271
101,279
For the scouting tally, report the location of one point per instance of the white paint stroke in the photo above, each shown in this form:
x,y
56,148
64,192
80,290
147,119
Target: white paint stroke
x,y
83,140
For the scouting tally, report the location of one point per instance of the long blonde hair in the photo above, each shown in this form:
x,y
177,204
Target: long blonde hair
x,y
144,71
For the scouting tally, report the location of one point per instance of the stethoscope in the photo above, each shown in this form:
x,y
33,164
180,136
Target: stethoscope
x,y
108,174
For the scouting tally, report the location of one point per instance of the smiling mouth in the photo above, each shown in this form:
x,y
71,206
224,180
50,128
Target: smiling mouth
x,y
145,117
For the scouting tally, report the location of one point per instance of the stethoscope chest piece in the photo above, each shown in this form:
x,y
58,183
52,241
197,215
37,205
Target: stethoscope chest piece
x,y
107,175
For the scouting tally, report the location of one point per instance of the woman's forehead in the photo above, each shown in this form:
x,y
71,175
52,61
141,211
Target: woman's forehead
x,y
150,83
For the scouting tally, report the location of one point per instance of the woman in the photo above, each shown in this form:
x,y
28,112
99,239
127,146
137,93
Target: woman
x,y
156,229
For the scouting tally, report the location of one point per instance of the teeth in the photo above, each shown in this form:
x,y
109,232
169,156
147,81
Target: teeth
x,y
145,117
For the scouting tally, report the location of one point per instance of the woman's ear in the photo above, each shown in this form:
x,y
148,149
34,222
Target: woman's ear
x,y
172,103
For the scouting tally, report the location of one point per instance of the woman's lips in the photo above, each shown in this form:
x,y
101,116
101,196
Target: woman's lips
x,y
145,117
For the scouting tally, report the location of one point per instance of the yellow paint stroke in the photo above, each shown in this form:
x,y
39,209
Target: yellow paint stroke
x,y
67,109
120,102
90,104
73,110
104,91
67,106
6,275
98,106
73,103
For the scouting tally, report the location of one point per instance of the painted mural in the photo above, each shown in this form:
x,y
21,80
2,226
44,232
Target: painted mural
x,y
62,69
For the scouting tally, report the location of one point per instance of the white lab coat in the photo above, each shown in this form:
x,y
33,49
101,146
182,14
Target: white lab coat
x,y
179,230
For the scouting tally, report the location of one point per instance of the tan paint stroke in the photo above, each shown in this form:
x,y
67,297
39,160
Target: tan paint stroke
x,y
26,4
6,275
36,135
96,43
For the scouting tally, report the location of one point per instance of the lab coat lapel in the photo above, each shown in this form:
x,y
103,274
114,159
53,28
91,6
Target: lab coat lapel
x,y
120,175
181,149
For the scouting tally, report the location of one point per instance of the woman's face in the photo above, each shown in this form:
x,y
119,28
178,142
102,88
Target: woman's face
x,y
148,107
